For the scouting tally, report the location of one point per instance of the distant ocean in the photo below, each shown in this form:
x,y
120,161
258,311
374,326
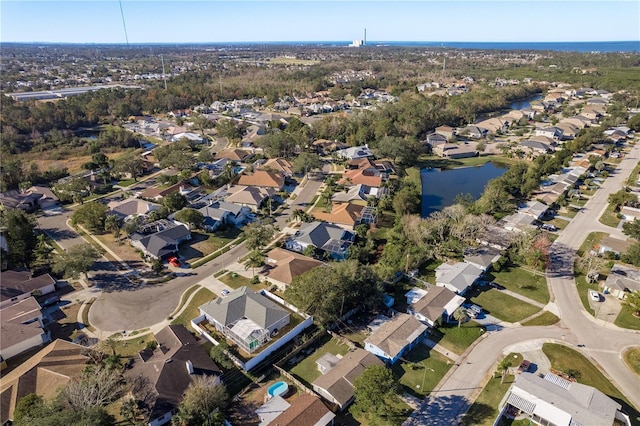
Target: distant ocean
x,y
586,46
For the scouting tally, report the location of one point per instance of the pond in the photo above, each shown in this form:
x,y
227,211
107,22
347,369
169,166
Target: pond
x,y
440,188
525,103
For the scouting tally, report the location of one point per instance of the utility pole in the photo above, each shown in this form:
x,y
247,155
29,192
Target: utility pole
x,y
164,76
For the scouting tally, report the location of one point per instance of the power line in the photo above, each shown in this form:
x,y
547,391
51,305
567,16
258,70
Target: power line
x,y
123,23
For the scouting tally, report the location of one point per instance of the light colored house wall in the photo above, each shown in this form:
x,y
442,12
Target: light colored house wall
x,y
25,345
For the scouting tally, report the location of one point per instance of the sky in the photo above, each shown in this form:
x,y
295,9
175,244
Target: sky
x,y
211,21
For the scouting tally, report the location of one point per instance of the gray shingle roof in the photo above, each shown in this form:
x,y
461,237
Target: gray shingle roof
x,y
321,234
244,303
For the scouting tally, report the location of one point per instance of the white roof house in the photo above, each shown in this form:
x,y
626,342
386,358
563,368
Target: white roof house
x,y
355,152
554,400
457,277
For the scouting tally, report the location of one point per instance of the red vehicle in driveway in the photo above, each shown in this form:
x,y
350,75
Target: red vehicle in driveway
x,y
524,367
174,261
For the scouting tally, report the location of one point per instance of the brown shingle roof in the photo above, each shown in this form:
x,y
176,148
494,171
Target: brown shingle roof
x,y
289,265
234,154
263,178
279,164
15,283
305,410
366,176
345,214
395,334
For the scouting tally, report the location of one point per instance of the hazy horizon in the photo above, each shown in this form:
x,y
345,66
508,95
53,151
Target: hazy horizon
x,y
268,21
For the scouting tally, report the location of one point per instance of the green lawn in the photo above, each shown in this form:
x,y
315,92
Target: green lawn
x,y
559,223
457,339
564,359
126,182
204,243
503,306
484,410
428,271
610,217
546,318
632,358
130,347
307,370
626,319
191,311
185,296
421,369
633,177
235,280
583,290
523,282
592,240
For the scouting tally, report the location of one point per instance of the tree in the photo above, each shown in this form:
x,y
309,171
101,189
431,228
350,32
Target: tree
x,y
632,301
460,315
328,292
156,266
191,217
306,162
179,160
91,215
42,253
407,200
29,406
202,403
632,228
217,353
174,202
113,223
130,164
97,386
254,260
634,123
622,197
376,394
503,368
21,238
76,260
72,190
258,235
228,129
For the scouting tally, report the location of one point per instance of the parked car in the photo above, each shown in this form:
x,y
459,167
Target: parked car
x,y
496,285
225,292
524,366
549,227
174,261
594,295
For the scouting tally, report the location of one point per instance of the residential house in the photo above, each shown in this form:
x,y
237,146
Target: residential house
x,y
323,236
517,222
191,137
613,245
446,131
305,410
435,139
237,214
437,303
325,146
482,257
579,121
161,244
237,155
597,101
496,237
569,130
30,199
336,385
21,328
355,152
553,400
280,165
534,147
42,374
494,125
415,294
247,318
348,215
395,337
131,208
630,213
358,194
214,217
263,179
533,208
285,265
364,176
550,132
474,132
170,368
16,286
453,151
158,193
251,197
622,280
457,277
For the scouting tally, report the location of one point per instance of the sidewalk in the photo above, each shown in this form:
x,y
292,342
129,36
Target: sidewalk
x,y
441,349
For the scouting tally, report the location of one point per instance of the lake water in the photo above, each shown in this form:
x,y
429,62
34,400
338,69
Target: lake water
x,y
525,103
440,188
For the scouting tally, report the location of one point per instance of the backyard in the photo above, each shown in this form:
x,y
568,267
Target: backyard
x,y
307,370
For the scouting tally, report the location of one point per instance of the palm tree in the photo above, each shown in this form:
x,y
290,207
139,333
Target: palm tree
x,y
254,260
503,368
460,315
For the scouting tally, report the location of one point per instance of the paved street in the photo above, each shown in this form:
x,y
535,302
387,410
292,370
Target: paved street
x,y
55,226
122,306
602,342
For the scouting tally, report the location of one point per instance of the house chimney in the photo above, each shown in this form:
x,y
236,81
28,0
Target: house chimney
x,y
189,366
